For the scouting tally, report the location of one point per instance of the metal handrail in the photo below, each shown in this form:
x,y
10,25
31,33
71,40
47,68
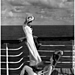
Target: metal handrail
x,y
15,48
14,62
53,51
13,55
13,68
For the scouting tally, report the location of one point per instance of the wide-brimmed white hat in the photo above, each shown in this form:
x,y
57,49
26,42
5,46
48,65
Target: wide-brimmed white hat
x,y
30,17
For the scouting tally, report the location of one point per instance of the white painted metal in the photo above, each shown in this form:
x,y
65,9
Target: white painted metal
x,y
7,65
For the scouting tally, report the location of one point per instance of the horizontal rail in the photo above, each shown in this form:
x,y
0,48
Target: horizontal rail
x,y
40,39
55,45
14,62
53,51
28,56
40,45
14,48
13,68
12,55
29,61
58,62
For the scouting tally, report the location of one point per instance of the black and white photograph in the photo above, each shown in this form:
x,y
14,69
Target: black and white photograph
x,y
37,37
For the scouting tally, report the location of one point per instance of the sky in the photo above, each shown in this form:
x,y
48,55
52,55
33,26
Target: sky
x,y
50,12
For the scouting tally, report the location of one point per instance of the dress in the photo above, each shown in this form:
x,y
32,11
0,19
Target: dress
x,y
35,58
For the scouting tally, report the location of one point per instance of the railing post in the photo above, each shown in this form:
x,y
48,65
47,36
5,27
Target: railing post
x,y
73,56
7,65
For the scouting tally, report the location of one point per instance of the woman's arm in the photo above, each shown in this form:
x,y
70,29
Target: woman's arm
x,y
25,22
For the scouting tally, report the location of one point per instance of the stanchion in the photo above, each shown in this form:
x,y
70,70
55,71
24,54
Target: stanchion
x,y
74,57
7,65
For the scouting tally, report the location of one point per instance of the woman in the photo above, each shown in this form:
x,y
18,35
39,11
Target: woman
x,y
35,58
